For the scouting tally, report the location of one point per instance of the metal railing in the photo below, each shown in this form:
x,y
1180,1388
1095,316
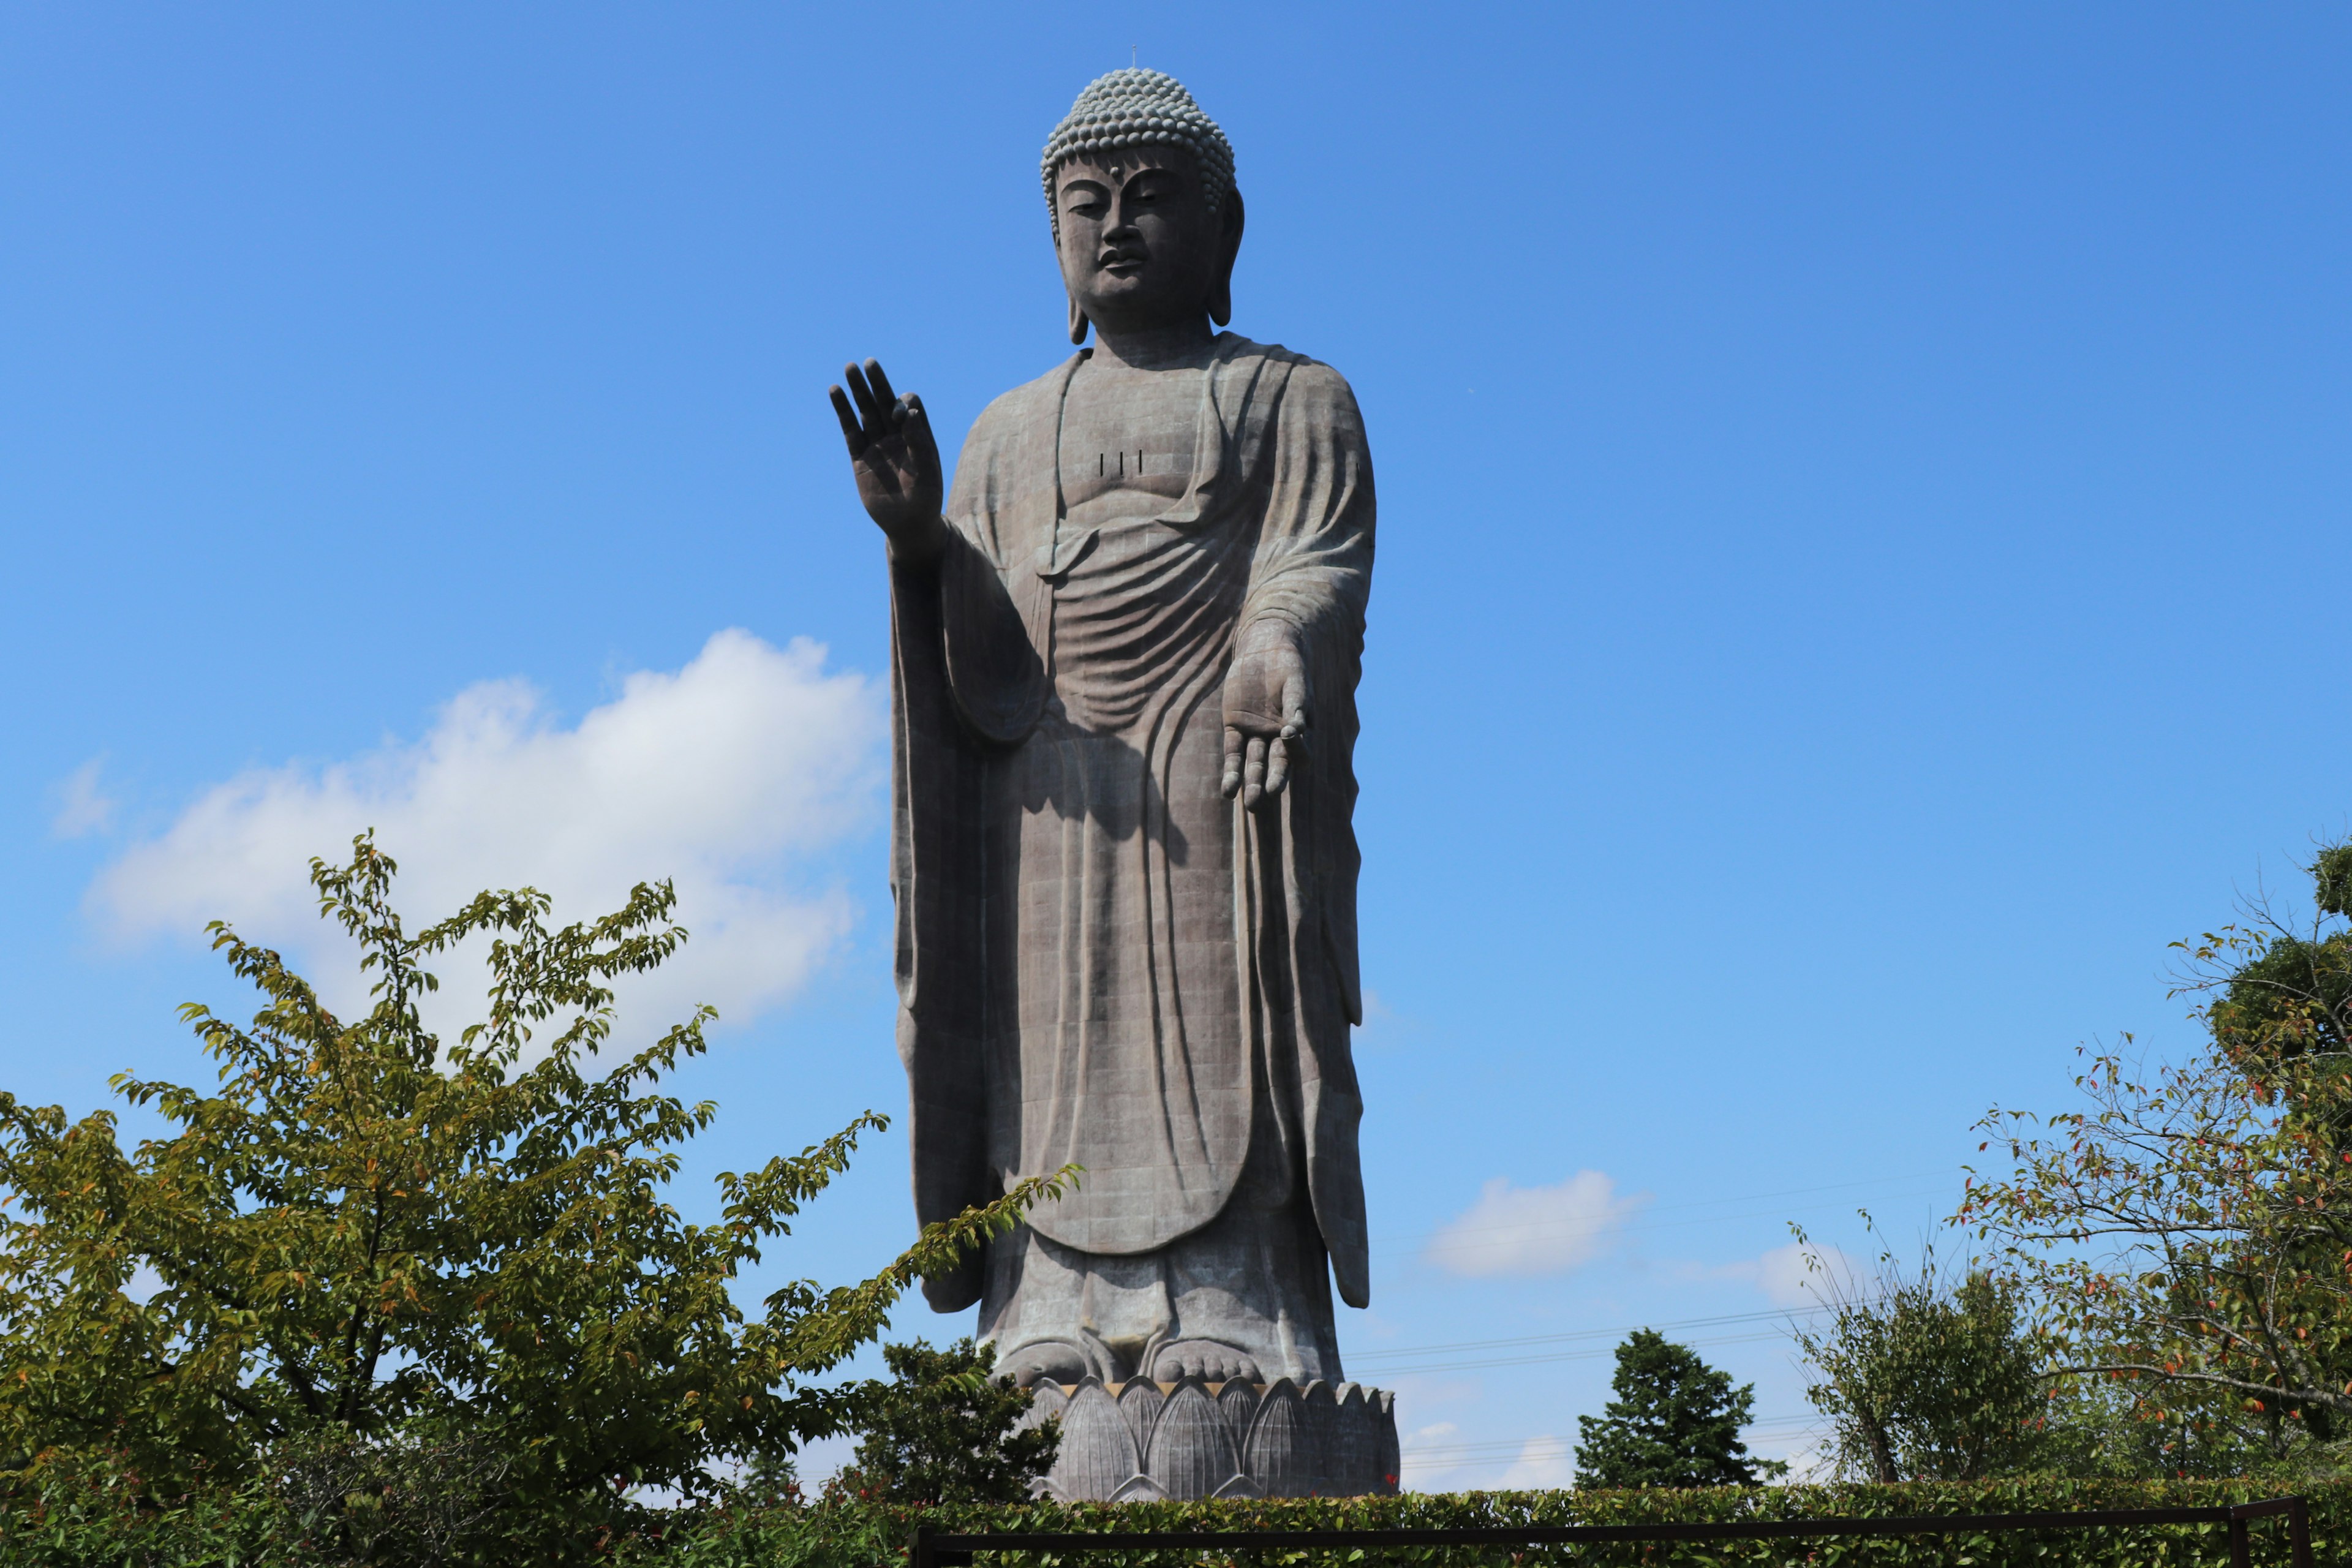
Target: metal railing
x,y
941,1549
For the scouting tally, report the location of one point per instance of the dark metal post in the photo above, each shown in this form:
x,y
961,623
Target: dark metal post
x,y
2242,1553
2298,1532
919,1547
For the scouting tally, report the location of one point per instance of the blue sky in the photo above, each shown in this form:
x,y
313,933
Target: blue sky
x,y
1864,501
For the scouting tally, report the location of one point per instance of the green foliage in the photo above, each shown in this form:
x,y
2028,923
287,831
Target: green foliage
x,y
2331,881
2190,1230
1926,1379
1674,1423
80,1511
874,1536
2113,1426
82,1524
943,1430
370,1249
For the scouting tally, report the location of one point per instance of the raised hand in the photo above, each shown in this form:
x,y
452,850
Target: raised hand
x,y
1267,696
895,459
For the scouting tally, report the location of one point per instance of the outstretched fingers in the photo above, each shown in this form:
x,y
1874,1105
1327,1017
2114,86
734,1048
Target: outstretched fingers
x,y
1254,772
1277,762
869,412
848,417
1280,749
1258,766
883,397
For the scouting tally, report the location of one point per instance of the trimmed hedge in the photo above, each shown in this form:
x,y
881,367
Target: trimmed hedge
x,y
231,1530
869,1536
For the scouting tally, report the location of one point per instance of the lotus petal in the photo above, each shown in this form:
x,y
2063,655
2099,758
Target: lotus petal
x,y
1192,1453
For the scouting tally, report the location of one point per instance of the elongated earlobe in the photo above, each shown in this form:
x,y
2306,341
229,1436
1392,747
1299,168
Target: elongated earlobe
x,y
1220,293
1077,323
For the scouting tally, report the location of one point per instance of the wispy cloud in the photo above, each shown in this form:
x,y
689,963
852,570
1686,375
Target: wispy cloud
x,y
1531,1231
1798,1275
1809,1454
1383,1028
1419,1463
82,807
732,776
1544,1464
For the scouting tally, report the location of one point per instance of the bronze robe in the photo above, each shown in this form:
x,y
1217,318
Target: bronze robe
x,y
1100,961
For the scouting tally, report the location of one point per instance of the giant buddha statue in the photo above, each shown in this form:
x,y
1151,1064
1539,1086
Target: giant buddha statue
x,y
1125,646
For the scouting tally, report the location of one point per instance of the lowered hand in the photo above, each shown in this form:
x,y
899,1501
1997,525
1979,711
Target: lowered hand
x,y
1267,696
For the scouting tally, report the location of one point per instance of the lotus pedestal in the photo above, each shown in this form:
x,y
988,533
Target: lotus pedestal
x,y
1126,1442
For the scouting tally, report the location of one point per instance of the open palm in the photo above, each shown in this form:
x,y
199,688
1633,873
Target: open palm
x,y
894,457
1266,698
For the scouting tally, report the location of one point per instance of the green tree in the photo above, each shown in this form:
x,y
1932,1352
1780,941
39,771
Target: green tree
x,y
944,1430
399,1496
1925,1378
1674,1423
2110,1426
366,1240
2190,1230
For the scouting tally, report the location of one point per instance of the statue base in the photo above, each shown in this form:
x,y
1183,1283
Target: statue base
x,y
1137,1441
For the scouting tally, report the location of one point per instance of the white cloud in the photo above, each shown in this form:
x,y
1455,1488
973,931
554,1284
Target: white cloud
x,y
1416,1459
81,807
1798,1275
1382,1027
1809,1455
1533,1230
732,777
1544,1464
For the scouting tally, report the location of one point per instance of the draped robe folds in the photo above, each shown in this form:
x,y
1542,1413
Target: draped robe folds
x,y
1100,962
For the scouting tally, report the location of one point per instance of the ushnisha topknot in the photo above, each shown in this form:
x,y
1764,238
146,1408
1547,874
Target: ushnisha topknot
x,y
1139,106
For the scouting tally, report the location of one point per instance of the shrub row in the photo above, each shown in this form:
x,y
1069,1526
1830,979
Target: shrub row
x,y
865,1536
231,1531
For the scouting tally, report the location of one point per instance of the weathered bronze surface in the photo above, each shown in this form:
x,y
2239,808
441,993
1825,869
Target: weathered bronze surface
x,y
1125,657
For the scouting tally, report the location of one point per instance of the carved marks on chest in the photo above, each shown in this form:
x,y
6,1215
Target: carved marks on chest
x,y
1129,435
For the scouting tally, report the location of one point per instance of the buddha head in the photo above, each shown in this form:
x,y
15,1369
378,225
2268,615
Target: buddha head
x,y
1147,219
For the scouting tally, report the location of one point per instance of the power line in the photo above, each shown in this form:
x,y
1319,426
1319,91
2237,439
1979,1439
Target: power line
x,y
1667,1208
1411,1359
1580,1227
1718,1322
1427,1450
1771,1426
1443,1458
1431,1450
1560,1356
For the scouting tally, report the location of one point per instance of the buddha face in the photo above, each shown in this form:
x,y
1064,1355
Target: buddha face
x,y
1140,246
